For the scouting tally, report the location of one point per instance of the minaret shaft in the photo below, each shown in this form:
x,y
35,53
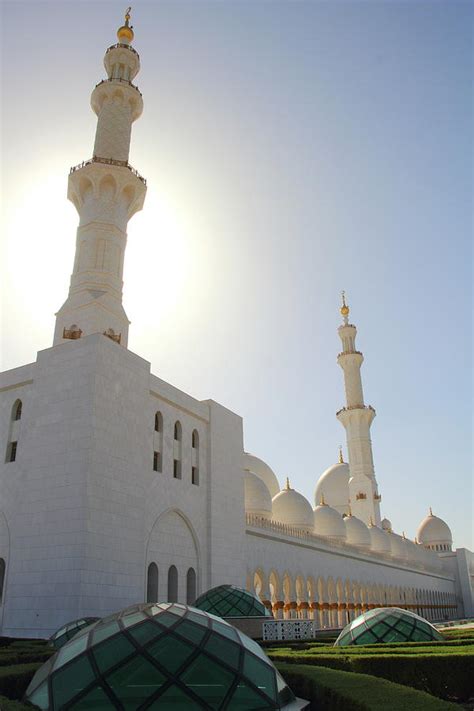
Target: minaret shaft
x,y
106,192
357,418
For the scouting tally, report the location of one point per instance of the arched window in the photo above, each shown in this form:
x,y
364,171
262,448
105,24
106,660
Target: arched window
x,y
158,422
152,583
191,587
172,584
2,578
195,439
195,458
17,410
178,431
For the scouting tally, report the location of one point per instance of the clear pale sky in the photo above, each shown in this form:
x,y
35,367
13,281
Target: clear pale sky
x,y
292,149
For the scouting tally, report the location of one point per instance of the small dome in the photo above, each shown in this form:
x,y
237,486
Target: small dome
x,y
386,625
434,533
398,545
262,470
67,631
380,540
333,484
328,522
257,497
357,532
166,656
386,524
292,508
231,601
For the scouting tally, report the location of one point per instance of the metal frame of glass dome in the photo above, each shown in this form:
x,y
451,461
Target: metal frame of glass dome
x,y
385,625
176,656
69,630
231,601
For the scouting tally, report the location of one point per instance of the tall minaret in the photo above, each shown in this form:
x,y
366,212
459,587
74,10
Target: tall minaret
x,y
357,418
106,192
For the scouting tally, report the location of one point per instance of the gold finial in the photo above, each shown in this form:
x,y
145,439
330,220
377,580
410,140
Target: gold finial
x,y
288,487
322,502
431,511
341,458
344,308
416,540
125,33
350,510
371,524
403,536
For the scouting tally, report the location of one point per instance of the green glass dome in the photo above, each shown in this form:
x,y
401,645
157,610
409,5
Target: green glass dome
x,y
66,632
387,624
168,657
231,601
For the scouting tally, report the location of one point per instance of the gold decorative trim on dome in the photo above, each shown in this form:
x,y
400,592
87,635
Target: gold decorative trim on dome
x,y
361,495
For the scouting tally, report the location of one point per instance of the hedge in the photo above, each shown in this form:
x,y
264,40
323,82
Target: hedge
x,y
345,691
449,676
14,680
9,705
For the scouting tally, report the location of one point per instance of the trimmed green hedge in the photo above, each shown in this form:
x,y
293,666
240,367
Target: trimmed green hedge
x,y
448,676
9,705
14,680
346,691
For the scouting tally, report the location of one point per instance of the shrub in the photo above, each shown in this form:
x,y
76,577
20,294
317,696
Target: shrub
x,y
15,679
9,705
346,691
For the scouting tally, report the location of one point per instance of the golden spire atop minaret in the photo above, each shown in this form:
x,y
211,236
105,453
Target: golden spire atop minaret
x,y
125,33
344,309
341,458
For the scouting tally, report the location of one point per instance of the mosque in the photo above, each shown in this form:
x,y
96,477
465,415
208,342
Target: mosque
x,y
118,488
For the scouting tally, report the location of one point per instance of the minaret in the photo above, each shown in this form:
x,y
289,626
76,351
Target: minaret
x,y
106,192
356,419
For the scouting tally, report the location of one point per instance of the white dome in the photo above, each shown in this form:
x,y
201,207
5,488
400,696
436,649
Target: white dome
x,y
386,524
292,508
380,540
257,497
357,532
257,466
328,522
399,547
333,484
434,533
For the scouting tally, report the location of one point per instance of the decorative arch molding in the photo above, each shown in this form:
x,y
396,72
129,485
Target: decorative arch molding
x,y
158,520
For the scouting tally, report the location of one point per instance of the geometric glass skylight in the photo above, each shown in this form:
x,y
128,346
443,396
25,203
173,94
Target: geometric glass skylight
x,y
66,632
231,601
165,657
387,624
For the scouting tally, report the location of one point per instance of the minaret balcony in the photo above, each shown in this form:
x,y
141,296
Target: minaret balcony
x,y
123,81
344,353
108,161
119,45
355,407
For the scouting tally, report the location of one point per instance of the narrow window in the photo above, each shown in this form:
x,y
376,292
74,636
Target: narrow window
x,y
177,431
157,461
195,476
2,578
152,583
191,587
172,584
158,422
176,469
11,452
195,439
17,410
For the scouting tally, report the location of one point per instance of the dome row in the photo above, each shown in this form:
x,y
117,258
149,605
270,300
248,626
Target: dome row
x,y
263,498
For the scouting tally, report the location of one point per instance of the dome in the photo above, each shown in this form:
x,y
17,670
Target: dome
x,y
380,540
257,466
292,508
385,625
333,484
434,533
67,631
328,522
257,497
192,660
357,532
386,524
231,601
398,545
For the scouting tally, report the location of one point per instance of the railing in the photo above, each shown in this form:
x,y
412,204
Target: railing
x,y
356,407
108,161
119,45
294,532
349,353
124,81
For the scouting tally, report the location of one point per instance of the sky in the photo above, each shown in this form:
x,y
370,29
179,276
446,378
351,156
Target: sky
x,y
292,149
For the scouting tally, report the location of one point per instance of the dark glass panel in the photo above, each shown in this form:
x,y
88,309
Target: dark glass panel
x,y
70,680
223,649
109,653
135,681
174,699
145,632
245,698
95,700
209,681
171,652
262,675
